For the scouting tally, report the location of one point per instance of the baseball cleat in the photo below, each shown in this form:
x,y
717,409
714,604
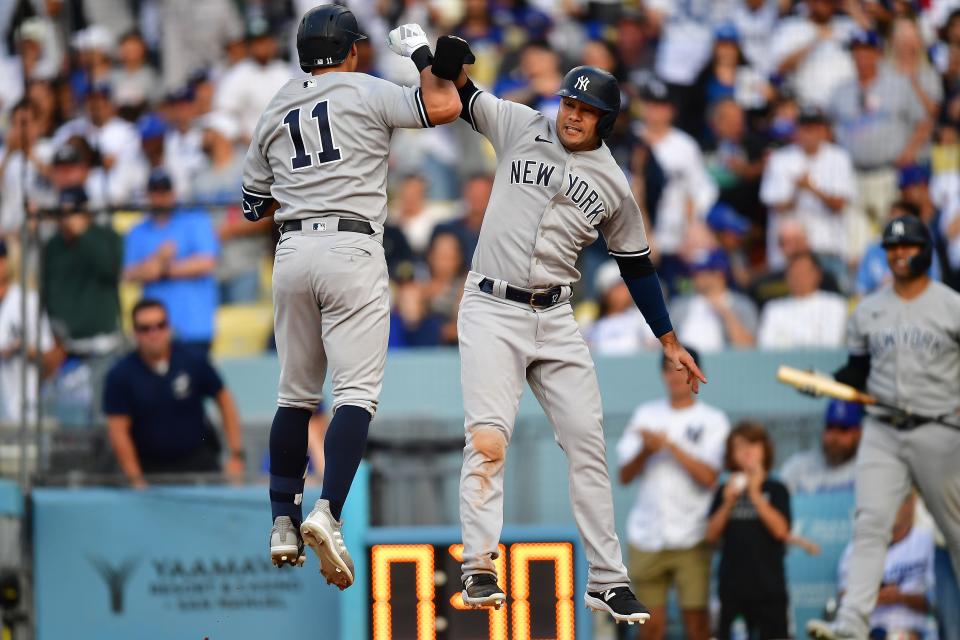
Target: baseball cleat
x,y
619,602
321,532
821,630
286,546
482,590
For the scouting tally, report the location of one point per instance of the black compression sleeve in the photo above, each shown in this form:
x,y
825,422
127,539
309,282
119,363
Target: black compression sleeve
x,y
635,266
855,372
467,93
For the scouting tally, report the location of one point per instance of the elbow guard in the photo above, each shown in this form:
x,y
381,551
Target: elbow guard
x,y
255,204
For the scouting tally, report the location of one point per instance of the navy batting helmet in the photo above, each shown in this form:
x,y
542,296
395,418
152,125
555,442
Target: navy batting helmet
x,y
910,230
597,88
325,36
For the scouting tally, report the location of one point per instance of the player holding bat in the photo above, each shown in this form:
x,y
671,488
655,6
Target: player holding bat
x,y
904,343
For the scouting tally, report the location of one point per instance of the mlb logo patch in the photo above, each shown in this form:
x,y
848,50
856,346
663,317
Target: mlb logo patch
x,y
320,226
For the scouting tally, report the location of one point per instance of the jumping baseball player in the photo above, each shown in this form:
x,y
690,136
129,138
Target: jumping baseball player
x,y
904,345
556,187
318,159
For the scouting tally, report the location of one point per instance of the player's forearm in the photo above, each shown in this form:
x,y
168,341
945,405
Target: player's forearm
x,y
854,372
440,98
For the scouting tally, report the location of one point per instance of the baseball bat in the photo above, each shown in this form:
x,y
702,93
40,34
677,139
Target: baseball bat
x,y
821,385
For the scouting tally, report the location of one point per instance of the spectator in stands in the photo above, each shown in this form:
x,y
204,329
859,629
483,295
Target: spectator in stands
x,y
830,466
13,335
71,166
735,158
135,83
23,146
412,323
183,144
173,255
413,213
914,183
154,401
755,21
810,52
247,89
476,195
908,58
750,519
115,142
49,108
727,76
153,131
81,270
94,46
536,81
874,271
903,603
881,122
218,183
808,317
811,180
713,318
194,35
620,328
673,449
731,229
791,242
689,192
444,287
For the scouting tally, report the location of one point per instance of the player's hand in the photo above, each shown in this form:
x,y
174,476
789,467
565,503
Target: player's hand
x,y
406,39
681,359
234,468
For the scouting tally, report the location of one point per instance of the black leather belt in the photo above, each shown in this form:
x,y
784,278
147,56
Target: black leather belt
x,y
905,421
538,299
344,224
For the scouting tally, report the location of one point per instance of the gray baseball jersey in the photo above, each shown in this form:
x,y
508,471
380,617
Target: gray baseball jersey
x,y
914,348
322,144
548,203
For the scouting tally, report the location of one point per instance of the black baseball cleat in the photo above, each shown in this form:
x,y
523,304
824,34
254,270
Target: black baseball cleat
x,y
619,602
482,590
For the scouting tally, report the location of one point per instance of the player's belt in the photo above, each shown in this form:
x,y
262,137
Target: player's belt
x,y
904,421
537,298
343,224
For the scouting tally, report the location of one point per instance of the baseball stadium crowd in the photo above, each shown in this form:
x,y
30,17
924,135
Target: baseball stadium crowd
x,y
768,141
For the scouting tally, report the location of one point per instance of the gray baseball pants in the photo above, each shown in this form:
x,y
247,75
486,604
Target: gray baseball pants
x,y
331,307
889,463
503,343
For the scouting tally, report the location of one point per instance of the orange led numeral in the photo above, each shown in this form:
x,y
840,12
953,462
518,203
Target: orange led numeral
x,y
498,617
521,555
421,555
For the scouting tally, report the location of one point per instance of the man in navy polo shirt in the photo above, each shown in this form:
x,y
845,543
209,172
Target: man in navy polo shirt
x,y
154,401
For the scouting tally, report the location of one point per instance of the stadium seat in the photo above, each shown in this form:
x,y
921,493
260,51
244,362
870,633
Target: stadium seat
x,y
242,329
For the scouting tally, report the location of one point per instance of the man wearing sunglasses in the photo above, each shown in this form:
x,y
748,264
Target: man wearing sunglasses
x,y
154,402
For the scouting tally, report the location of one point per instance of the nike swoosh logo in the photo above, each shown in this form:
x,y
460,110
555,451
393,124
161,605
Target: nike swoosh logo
x,y
282,240
539,139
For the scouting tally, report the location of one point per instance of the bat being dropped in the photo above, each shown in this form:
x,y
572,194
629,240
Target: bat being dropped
x,y
818,384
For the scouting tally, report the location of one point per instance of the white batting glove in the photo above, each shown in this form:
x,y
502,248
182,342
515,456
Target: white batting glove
x,y
406,39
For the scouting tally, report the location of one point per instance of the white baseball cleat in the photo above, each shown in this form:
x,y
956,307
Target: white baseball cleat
x,y
321,532
286,546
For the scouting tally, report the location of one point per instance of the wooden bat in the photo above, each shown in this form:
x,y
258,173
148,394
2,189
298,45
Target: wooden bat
x,y
821,385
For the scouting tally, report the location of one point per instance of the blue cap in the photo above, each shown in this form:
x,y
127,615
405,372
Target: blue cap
x,y
159,181
845,415
862,38
715,260
150,125
181,94
723,217
73,199
726,32
912,174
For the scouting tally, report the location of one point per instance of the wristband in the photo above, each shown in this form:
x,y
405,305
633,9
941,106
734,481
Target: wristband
x,y
422,57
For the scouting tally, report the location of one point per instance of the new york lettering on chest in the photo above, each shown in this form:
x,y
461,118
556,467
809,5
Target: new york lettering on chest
x,y
577,190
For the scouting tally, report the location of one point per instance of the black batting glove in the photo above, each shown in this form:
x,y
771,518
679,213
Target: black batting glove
x,y
450,56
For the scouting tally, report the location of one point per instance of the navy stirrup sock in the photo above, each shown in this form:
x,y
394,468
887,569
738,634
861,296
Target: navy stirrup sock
x,y
288,462
343,447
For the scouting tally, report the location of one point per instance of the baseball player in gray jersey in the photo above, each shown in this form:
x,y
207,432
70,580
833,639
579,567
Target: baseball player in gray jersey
x,y
318,159
556,188
904,345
